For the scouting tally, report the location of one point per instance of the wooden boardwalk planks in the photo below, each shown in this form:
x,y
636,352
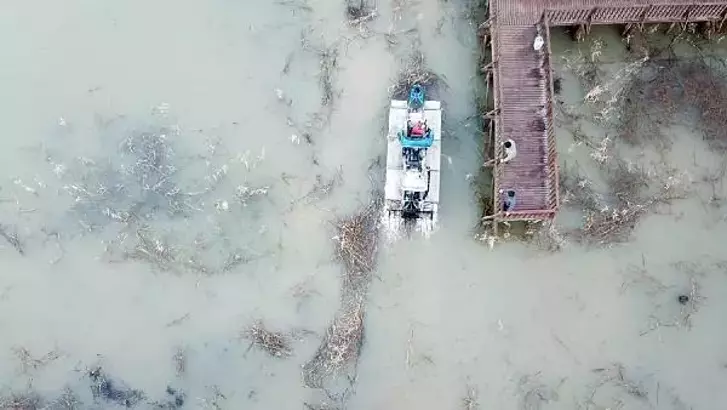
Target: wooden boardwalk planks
x,y
523,85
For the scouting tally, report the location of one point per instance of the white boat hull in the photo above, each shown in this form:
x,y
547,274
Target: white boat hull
x,y
398,179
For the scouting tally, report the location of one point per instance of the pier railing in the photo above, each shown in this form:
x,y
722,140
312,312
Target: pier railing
x,y
638,13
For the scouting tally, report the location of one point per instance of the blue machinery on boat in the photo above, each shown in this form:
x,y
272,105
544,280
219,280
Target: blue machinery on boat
x,y
416,136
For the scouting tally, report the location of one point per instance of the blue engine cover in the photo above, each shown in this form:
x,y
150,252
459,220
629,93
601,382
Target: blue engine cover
x,y
416,97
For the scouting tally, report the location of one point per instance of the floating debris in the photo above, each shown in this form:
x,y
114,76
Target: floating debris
x,y
28,362
68,400
274,343
145,181
340,347
175,400
357,241
415,71
328,66
533,394
665,88
470,402
359,12
180,361
29,400
12,239
106,389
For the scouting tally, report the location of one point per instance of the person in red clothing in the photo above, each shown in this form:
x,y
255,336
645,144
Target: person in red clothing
x,y
418,130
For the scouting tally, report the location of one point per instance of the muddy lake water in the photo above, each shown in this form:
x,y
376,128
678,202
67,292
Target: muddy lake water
x,y
237,133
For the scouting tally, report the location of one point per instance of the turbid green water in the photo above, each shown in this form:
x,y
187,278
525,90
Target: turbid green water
x,y
244,233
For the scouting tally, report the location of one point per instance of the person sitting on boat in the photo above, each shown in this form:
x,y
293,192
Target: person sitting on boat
x,y
417,135
418,130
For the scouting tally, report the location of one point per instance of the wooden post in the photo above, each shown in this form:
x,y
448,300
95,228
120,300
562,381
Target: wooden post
x,y
685,17
723,19
627,28
645,13
687,13
485,25
590,19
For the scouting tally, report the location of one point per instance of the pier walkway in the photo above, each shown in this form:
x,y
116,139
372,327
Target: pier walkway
x,y
521,79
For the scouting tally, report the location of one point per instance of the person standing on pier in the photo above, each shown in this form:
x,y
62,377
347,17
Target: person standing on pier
x,y
509,202
509,151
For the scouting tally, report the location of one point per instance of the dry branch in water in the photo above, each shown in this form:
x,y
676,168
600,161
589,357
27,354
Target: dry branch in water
x,y
296,5
615,377
103,387
469,402
586,66
626,180
666,90
322,406
68,400
533,394
152,249
28,362
415,71
340,347
29,400
133,194
12,239
328,65
545,236
357,241
274,343
359,11
616,225
577,190
322,187
690,302
180,361
611,218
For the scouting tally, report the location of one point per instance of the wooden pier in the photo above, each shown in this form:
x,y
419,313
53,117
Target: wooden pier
x,y
521,79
